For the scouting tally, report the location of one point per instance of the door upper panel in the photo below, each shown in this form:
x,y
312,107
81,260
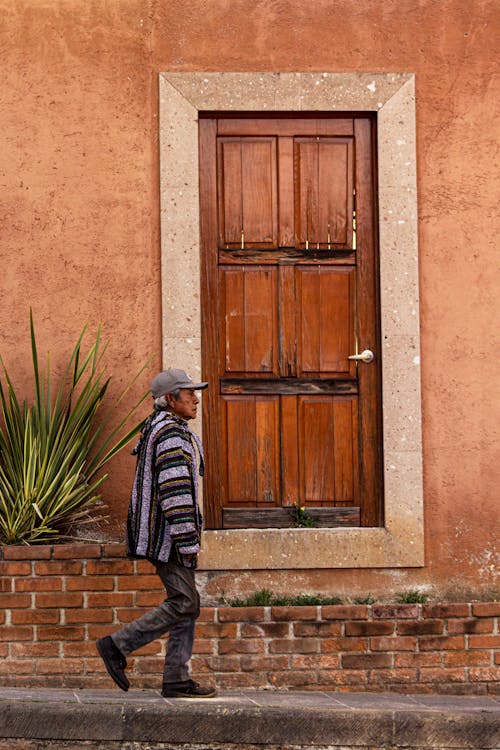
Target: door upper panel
x,y
286,192
323,192
248,195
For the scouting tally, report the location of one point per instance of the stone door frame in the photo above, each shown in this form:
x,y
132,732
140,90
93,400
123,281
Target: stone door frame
x,y
400,543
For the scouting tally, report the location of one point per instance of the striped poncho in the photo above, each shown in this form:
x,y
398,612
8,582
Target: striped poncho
x,y
163,511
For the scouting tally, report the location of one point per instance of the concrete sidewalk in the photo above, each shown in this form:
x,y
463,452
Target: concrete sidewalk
x,y
59,718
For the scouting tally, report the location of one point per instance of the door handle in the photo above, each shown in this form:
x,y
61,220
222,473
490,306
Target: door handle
x,y
366,356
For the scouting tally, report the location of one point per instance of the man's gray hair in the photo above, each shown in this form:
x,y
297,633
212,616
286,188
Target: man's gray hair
x,y
162,403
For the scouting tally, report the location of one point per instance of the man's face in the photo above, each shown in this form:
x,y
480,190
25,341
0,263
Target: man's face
x,y
186,405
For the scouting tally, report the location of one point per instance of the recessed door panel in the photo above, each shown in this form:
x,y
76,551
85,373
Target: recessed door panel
x,y
327,430
249,331
316,450
250,439
247,182
324,192
325,312
345,431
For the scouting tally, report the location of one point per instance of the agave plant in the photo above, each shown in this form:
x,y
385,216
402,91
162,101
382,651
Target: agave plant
x,y
52,453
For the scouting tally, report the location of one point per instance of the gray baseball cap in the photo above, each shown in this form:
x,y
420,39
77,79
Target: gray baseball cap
x,y
170,380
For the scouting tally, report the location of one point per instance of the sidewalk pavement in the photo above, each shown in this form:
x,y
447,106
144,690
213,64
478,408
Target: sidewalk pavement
x,y
244,718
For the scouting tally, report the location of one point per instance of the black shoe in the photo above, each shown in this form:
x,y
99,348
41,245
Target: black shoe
x,y
114,661
187,689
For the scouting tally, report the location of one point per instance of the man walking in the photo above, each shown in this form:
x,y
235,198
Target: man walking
x,y
164,526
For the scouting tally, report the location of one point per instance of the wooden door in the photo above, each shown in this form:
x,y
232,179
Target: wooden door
x,y
289,293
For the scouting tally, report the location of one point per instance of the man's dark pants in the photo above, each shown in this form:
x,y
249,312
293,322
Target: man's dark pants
x,y
176,615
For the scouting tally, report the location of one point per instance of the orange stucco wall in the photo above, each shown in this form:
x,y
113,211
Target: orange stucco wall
x,y
79,210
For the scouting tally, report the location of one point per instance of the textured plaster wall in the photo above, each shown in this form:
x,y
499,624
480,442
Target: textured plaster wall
x,y
79,211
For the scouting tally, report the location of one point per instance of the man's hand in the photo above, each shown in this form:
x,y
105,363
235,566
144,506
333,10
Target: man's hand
x,y
190,561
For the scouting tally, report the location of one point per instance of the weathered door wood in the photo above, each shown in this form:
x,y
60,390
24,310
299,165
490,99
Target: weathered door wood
x,y
289,291
248,321
324,304
247,216
324,192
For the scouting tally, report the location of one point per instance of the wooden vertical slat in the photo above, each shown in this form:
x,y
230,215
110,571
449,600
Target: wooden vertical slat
x,y
267,450
355,452
241,449
232,326
223,462
367,323
230,191
259,190
336,320
286,229
290,492
287,321
335,178
344,436
316,450
210,320
332,188
261,331
306,190
308,327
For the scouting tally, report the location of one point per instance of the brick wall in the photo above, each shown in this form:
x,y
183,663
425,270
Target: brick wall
x,y
57,600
